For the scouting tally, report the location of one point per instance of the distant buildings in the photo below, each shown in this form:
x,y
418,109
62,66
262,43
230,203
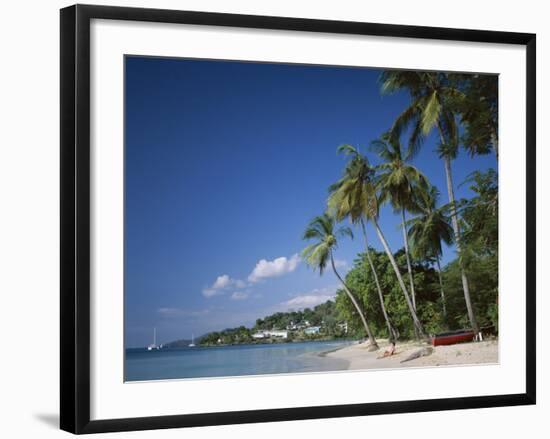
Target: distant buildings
x,y
298,326
312,330
267,334
294,329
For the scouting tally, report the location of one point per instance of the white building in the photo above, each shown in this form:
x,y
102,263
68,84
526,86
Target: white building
x,y
273,333
312,330
278,334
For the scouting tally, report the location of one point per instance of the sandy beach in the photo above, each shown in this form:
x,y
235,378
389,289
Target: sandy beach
x,y
359,357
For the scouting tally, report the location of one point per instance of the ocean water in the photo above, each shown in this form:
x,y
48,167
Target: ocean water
x,y
198,362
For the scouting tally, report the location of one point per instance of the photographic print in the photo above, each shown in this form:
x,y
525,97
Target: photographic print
x,y
293,218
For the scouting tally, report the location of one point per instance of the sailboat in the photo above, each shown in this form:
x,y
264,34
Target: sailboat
x,y
153,346
192,344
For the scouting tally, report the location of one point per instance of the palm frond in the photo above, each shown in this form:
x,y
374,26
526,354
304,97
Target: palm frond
x,y
347,150
409,116
430,112
345,231
416,140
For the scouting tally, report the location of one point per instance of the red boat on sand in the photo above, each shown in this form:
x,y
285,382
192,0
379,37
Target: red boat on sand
x,y
453,337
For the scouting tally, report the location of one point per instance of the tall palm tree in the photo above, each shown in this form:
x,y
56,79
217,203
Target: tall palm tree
x,y
428,230
318,254
359,167
397,181
432,106
354,196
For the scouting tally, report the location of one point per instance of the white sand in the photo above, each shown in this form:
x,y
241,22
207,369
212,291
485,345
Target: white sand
x,y
358,356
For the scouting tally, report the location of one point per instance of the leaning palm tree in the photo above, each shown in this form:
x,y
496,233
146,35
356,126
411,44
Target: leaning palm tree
x,y
318,255
428,230
433,105
397,181
359,167
354,196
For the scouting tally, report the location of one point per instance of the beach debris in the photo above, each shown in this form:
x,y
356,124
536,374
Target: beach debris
x,y
424,352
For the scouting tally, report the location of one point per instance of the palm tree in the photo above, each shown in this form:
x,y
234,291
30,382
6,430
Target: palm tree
x,y
359,167
428,230
433,105
478,110
354,196
317,255
397,182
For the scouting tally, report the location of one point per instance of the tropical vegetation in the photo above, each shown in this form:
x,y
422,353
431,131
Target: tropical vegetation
x,y
462,111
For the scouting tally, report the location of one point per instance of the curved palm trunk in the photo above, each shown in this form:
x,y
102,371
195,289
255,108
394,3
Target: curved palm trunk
x,y
374,345
391,331
456,230
443,300
409,267
419,329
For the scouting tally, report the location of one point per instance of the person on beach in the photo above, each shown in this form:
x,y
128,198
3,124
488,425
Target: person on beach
x,y
389,352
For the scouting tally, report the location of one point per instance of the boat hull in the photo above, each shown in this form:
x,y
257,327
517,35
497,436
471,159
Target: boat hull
x,y
444,340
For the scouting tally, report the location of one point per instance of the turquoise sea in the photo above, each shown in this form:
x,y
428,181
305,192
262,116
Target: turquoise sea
x,y
238,360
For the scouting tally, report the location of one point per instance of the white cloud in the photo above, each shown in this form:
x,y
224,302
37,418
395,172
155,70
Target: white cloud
x,y
222,281
239,295
310,299
264,269
277,267
221,284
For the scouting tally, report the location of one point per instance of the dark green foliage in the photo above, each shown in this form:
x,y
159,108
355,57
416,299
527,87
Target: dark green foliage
x,y
228,336
483,278
362,284
478,112
480,216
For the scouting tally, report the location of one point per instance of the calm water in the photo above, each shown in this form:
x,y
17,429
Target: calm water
x,y
232,360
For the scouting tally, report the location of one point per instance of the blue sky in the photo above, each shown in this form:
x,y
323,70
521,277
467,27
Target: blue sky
x,y
225,164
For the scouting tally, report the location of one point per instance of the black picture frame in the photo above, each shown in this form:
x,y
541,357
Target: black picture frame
x,y
75,217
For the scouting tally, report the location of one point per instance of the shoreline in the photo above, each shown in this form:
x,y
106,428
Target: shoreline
x,y
262,343
358,358
323,354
